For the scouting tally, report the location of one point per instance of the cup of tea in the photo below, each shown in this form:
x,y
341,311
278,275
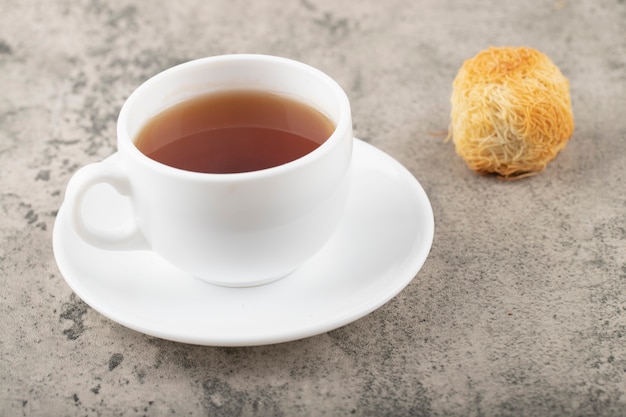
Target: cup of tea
x,y
237,168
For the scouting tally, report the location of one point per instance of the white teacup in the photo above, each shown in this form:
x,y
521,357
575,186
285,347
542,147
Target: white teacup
x,y
237,229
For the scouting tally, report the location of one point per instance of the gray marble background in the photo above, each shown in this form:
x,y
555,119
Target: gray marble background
x,y
520,310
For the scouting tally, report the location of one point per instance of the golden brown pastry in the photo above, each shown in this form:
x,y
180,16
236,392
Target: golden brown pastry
x,y
511,112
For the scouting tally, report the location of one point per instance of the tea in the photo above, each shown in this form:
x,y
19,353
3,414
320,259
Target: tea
x,y
234,131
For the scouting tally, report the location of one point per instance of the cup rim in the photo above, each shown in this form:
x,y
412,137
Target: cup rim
x,y
343,126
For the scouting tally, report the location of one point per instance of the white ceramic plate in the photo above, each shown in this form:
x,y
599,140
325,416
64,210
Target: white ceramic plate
x,y
380,246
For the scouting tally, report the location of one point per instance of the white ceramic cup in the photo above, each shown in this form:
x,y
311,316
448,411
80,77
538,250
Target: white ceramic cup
x,y
238,229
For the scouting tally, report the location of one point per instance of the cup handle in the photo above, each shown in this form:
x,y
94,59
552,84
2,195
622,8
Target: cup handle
x,y
127,236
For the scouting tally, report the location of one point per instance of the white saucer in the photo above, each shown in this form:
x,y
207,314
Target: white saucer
x,y
378,249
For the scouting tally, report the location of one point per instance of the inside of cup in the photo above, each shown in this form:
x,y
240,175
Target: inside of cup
x,y
235,72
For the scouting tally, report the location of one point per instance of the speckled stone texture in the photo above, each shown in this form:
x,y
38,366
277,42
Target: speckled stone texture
x,y
520,310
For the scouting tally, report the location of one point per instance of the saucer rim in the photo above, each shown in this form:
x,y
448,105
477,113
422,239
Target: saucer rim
x,y
349,315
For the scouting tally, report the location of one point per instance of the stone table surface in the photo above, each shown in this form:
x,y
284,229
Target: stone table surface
x,y
520,308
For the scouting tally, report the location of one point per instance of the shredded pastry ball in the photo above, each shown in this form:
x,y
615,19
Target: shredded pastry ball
x,y
511,112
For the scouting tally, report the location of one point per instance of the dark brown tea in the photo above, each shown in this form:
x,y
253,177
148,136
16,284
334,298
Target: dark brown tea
x,y
234,131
